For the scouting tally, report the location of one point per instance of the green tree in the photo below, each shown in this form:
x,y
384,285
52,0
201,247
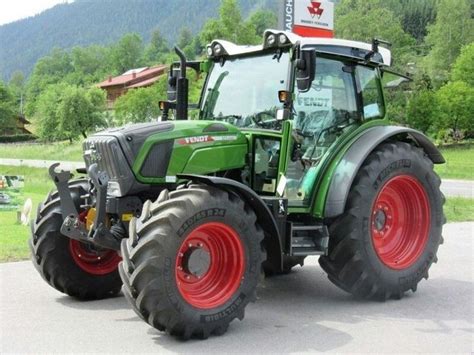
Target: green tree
x,y
421,110
51,69
229,26
263,20
363,20
463,68
415,15
127,53
455,108
46,117
157,48
7,105
17,86
185,38
453,28
90,65
80,111
138,105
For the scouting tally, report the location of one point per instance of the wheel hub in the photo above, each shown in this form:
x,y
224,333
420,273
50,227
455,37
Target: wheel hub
x,y
379,220
400,221
197,261
210,265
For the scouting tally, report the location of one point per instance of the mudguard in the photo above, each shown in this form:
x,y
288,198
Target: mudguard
x,y
272,239
346,170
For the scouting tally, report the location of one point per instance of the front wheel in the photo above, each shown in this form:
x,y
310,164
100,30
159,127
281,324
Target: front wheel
x,y
78,269
386,240
193,261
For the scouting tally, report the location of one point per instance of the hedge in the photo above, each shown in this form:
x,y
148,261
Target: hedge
x,y
17,138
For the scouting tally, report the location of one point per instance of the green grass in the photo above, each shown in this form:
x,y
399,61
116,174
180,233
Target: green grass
x,y
459,163
43,151
13,236
459,209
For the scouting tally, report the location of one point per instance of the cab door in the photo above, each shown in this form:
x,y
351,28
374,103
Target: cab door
x,y
321,115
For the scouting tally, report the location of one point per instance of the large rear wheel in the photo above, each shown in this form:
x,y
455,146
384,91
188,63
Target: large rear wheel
x,y
193,261
387,239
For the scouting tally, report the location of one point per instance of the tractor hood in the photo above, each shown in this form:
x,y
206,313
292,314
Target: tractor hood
x,y
154,153
197,147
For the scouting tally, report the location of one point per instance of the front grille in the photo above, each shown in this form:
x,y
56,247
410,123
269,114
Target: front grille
x,y
105,151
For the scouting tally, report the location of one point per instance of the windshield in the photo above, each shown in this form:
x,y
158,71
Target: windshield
x,y
244,91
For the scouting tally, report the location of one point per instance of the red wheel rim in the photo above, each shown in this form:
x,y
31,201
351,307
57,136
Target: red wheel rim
x,y
92,260
210,265
400,222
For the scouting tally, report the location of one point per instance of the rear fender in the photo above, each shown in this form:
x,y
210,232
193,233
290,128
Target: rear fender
x,y
265,218
354,157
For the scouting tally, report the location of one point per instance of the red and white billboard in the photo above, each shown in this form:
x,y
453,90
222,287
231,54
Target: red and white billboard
x,y
308,18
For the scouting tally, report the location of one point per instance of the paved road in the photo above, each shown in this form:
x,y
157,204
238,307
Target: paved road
x,y
66,165
452,188
299,312
458,188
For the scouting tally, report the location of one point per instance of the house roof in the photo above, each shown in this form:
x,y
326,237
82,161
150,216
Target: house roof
x,y
143,83
135,77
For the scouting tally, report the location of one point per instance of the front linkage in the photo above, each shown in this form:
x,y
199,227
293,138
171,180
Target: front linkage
x,y
74,225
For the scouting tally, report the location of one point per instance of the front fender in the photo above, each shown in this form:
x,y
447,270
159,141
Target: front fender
x,y
265,218
359,150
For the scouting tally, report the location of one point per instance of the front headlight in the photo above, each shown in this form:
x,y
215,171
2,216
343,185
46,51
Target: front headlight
x,y
271,40
113,189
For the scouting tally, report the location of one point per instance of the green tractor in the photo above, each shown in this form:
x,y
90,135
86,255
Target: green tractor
x,y
290,157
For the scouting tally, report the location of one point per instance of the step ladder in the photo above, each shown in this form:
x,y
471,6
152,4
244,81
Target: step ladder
x,y
308,239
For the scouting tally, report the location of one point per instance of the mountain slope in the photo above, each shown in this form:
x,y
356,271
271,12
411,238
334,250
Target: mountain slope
x,y
86,22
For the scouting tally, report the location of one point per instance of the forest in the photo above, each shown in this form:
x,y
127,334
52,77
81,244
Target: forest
x,y
432,42
103,22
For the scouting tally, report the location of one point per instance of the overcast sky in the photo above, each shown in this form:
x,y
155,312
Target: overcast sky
x,y
12,10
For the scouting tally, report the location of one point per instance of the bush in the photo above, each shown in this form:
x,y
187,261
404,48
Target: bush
x,y
17,138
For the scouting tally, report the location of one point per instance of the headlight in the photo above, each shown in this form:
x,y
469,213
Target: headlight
x,y
271,40
209,51
282,39
217,49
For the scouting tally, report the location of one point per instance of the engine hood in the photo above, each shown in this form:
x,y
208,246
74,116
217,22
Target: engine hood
x,y
157,152
197,147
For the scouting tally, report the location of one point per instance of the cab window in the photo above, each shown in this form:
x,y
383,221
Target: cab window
x,y
373,106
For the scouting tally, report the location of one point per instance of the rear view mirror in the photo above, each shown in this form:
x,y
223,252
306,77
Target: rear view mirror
x,y
172,80
305,69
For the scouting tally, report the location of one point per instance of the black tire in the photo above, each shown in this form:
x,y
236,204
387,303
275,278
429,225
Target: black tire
x,y
149,269
51,253
353,263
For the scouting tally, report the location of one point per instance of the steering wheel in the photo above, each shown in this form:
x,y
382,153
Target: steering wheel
x,y
257,118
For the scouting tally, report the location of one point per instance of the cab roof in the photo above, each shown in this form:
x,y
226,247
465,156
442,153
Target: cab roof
x,y
342,47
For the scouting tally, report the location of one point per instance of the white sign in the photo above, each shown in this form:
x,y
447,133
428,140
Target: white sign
x,y
315,14
288,14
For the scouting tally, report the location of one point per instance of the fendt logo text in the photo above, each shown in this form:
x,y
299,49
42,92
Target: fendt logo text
x,y
315,9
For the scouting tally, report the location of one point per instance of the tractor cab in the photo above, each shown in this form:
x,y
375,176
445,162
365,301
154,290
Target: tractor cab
x,y
293,97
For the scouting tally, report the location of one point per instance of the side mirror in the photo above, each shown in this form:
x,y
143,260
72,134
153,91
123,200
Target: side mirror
x,y
305,69
172,80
